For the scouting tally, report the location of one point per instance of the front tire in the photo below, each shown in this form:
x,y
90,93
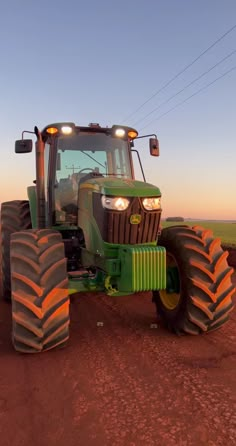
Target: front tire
x,y
199,291
15,216
40,301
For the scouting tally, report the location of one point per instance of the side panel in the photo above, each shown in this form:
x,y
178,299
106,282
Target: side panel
x,y
31,192
87,222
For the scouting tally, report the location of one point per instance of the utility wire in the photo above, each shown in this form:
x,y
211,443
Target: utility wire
x,y
189,97
180,72
184,88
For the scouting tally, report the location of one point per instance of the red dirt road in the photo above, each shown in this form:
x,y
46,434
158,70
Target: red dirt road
x,y
126,382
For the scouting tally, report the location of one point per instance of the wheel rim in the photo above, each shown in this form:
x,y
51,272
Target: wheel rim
x,y
170,297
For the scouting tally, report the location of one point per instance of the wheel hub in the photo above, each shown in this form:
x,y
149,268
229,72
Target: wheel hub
x,y
170,297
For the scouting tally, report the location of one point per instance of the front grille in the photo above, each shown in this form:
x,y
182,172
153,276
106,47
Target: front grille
x,y
115,226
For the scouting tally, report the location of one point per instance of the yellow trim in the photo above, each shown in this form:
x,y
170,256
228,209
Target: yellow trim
x,y
110,290
169,300
89,186
72,291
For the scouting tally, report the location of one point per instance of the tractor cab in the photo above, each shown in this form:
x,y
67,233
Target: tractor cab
x,y
79,156
68,157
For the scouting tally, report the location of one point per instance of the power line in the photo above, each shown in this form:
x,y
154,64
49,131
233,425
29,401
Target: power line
x,y
180,72
189,97
184,88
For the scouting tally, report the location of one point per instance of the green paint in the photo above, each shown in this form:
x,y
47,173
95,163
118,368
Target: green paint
x,y
87,222
86,283
122,187
31,192
142,268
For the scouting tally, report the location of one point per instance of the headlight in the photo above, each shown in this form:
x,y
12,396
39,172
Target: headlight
x,y
120,133
115,203
66,130
152,204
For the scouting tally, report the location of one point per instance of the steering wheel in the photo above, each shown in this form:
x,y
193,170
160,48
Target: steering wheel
x,y
77,174
85,168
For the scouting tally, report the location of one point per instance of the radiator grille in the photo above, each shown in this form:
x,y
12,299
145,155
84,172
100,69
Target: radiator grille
x,y
115,226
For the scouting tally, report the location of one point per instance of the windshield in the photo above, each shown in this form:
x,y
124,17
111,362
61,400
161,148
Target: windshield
x,y
83,154
87,152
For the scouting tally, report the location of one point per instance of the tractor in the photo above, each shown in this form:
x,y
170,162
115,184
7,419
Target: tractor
x,y
89,226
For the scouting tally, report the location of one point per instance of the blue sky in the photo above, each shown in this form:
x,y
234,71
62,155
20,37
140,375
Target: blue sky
x,y
99,61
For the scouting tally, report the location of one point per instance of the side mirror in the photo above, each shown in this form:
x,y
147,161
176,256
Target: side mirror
x,y
154,146
23,146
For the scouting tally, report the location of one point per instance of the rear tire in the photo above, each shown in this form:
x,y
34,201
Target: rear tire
x,y
40,301
15,216
201,298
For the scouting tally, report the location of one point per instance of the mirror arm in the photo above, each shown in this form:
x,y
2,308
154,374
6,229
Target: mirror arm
x,y
141,167
26,131
146,136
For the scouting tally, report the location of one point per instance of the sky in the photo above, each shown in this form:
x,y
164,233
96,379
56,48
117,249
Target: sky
x,y
100,62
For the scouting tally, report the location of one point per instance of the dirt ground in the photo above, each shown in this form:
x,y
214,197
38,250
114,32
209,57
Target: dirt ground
x,y
123,380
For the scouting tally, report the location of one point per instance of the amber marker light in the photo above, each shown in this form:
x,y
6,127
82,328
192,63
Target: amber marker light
x,y
132,134
52,130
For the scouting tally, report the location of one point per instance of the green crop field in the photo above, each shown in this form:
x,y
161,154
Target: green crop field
x,y
226,231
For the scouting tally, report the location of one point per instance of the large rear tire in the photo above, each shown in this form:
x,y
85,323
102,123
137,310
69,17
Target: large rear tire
x,y
15,216
199,291
40,301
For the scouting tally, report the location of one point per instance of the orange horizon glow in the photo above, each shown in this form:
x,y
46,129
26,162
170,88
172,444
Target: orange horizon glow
x,y
187,195
169,209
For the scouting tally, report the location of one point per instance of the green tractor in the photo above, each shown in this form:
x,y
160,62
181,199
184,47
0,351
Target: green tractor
x,y
88,225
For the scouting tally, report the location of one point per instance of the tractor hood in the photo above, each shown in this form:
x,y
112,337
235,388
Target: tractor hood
x,y
121,187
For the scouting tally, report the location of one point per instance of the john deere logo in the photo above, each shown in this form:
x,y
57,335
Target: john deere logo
x,y
135,219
